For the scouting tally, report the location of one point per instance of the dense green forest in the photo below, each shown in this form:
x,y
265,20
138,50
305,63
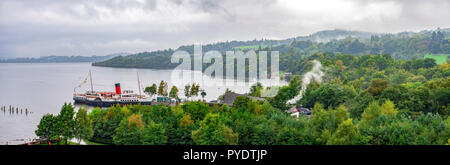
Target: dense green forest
x,y
363,100
406,45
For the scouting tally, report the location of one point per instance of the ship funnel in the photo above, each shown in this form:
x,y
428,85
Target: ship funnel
x,y
118,91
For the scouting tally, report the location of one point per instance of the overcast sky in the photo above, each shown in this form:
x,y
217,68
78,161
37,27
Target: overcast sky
x,y
34,28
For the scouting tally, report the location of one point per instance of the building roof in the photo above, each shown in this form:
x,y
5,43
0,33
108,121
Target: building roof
x,y
229,98
296,109
292,109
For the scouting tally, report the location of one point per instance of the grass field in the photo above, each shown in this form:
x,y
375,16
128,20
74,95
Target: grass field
x,y
440,58
248,47
93,143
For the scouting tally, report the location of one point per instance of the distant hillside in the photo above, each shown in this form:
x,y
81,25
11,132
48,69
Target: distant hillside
x,y
62,59
328,35
405,45
160,59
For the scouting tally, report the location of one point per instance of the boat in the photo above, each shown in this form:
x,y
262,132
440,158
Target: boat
x,y
107,99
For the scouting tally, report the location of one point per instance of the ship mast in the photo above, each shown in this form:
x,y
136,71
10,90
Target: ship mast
x,y
90,77
139,84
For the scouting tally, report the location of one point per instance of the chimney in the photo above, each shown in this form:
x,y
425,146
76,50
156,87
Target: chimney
x,y
118,91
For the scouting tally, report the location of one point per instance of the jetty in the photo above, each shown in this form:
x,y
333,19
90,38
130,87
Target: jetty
x,y
15,110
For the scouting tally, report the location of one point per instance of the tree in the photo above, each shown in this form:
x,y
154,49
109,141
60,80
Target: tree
x,y
195,88
186,120
371,112
439,100
213,132
327,119
66,121
203,93
377,86
196,109
255,89
187,91
105,122
429,63
327,94
129,131
286,93
347,134
47,128
388,108
173,92
416,64
241,102
154,134
446,131
400,77
151,89
162,90
394,93
83,126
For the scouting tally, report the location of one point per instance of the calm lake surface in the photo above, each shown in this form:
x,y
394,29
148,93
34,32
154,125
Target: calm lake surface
x,y
44,87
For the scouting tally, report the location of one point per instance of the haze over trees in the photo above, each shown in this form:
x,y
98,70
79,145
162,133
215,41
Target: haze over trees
x,y
364,100
376,95
62,59
404,45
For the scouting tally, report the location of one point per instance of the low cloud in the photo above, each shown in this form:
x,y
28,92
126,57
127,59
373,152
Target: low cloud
x,y
32,28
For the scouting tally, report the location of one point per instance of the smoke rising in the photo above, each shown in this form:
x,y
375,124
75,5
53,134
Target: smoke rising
x,y
315,74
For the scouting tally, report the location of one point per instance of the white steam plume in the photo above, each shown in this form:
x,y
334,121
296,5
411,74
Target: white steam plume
x,y
316,73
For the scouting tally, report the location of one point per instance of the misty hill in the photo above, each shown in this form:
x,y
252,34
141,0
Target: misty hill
x,y
327,35
404,45
62,59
